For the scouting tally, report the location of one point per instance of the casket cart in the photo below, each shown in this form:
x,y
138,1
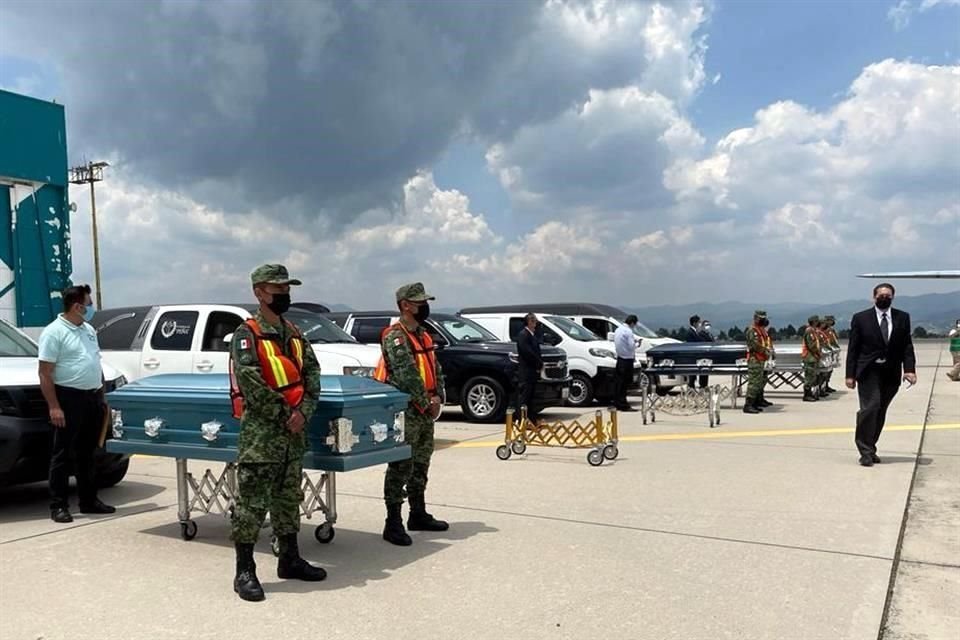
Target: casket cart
x,y
358,423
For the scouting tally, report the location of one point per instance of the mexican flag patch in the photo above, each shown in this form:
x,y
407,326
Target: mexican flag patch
x,y
244,343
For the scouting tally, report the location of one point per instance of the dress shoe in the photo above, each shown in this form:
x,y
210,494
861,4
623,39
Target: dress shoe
x,y
866,461
61,515
97,507
875,458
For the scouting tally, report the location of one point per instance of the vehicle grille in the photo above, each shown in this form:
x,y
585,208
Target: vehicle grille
x,y
555,370
32,403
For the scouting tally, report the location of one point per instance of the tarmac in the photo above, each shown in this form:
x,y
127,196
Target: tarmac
x,y
764,527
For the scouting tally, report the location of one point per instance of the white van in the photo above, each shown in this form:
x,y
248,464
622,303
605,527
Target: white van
x,y
591,360
603,320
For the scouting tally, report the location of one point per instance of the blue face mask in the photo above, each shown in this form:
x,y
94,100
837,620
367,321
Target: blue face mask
x,y
88,312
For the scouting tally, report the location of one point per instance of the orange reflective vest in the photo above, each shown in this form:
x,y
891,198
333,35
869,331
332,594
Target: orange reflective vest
x,y
280,372
765,343
804,351
423,353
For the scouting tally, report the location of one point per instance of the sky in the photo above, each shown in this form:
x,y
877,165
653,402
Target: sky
x,y
625,152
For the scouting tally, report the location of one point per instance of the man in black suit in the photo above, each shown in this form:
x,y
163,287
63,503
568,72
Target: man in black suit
x,y
879,353
530,365
693,334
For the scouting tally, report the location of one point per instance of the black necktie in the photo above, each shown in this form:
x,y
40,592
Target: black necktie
x,y
883,329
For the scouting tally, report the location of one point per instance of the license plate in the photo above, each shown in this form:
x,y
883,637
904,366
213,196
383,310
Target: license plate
x,y
565,393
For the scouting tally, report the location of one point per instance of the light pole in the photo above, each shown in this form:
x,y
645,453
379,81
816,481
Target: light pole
x,y
89,174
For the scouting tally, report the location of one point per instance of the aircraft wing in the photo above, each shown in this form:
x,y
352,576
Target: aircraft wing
x,y
949,273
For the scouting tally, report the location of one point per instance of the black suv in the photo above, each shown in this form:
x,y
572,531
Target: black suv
x,y
480,371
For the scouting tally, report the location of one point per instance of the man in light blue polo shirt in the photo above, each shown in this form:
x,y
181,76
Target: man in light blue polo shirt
x,y
71,379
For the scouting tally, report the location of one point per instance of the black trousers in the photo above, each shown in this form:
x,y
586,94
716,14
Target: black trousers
x,y
876,387
623,381
83,411
526,386
692,381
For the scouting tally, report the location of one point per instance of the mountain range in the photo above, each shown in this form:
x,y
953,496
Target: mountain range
x,y
934,311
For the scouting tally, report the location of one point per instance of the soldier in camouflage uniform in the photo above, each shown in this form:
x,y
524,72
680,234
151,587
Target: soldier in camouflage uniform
x,y
407,356
759,351
811,358
834,341
272,441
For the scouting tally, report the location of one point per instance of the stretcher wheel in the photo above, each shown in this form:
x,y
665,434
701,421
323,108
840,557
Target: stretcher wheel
x,y
595,458
188,530
324,533
519,448
503,452
610,452
275,545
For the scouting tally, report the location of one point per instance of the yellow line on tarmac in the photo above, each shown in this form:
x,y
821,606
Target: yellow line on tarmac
x,y
715,435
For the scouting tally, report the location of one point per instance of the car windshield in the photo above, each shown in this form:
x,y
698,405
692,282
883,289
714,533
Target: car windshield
x,y
643,331
464,330
13,344
572,329
316,328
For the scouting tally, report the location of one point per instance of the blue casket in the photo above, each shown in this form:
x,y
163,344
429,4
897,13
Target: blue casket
x,y
358,422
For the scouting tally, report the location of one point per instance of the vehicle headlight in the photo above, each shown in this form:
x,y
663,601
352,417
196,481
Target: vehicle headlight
x,y
603,353
515,358
363,372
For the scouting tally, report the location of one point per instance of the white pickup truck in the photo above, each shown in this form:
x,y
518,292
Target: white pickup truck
x,y
195,338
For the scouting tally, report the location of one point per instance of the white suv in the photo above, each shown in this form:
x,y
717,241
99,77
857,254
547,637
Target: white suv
x,y
591,360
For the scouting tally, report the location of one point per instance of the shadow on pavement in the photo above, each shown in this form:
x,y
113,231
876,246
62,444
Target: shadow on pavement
x,y
353,559
23,503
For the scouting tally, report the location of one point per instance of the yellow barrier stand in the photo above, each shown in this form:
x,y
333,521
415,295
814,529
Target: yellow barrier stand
x,y
600,436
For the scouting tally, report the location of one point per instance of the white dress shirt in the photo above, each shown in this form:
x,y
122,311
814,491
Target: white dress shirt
x,y
625,342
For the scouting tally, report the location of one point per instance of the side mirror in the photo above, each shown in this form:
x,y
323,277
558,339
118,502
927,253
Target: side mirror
x,y
228,338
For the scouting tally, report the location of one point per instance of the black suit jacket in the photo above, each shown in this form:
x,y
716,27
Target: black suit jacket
x,y
693,335
866,344
528,348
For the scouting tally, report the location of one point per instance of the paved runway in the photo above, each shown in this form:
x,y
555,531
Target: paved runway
x,y
763,528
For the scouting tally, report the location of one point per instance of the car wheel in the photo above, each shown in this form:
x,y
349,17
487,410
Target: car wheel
x,y
113,476
483,399
581,390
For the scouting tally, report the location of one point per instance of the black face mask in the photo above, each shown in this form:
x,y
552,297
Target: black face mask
x,y
280,304
423,312
884,302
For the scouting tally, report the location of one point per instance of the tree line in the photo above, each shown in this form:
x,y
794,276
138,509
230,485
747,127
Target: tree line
x,y
785,334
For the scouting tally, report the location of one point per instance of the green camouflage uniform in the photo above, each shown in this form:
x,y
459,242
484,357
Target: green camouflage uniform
x,y
402,373
756,375
833,340
811,361
269,456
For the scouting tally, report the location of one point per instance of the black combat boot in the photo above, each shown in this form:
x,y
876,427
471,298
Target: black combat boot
x,y
291,566
245,583
420,520
763,402
808,395
750,407
393,531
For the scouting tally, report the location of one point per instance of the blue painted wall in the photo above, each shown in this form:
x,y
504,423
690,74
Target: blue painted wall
x,y
34,219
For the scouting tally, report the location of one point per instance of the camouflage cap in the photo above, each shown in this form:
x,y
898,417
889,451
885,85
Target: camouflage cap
x,y
413,292
759,313
829,318
813,319
272,274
